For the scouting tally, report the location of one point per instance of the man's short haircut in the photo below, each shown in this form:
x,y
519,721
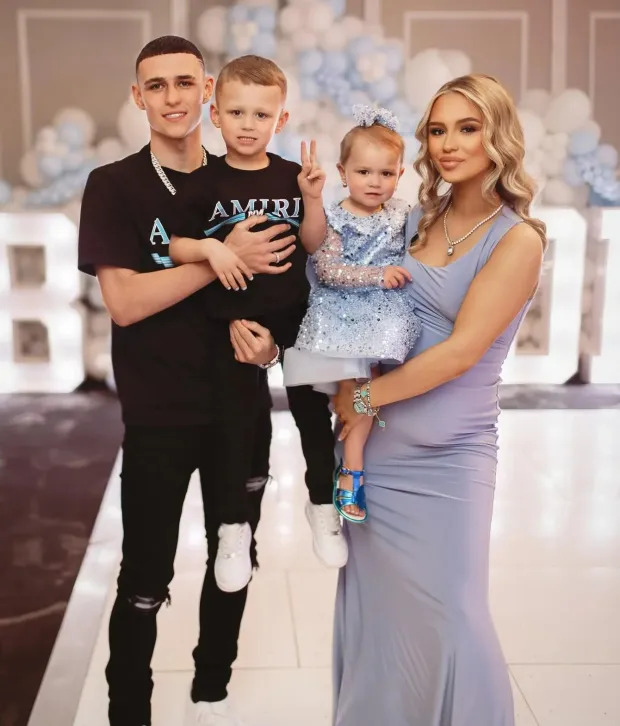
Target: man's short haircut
x,y
252,69
166,45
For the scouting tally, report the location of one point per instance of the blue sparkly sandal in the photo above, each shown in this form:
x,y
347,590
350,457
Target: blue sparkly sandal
x,y
345,497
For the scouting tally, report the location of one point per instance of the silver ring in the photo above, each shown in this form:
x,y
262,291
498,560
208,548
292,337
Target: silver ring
x,y
277,254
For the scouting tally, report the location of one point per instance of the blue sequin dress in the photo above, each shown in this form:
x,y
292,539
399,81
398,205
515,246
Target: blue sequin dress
x,y
353,322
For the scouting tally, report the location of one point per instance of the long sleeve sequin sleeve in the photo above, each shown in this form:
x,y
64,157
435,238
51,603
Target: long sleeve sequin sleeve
x,y
334,271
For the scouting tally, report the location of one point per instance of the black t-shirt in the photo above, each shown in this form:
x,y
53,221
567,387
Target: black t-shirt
x,y
175,367
219,196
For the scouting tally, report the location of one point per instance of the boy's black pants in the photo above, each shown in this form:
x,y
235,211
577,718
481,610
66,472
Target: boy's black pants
x,y
310,410
157,465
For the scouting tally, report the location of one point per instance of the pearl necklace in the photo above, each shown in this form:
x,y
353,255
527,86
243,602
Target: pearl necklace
x,y
452,243
163,176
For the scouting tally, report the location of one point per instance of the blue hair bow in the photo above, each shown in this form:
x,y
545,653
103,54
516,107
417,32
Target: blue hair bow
x,y
365,115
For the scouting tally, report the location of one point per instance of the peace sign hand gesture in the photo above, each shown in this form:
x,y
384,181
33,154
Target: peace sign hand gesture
x,y
311,178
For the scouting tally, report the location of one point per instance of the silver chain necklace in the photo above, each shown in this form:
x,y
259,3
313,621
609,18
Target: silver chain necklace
x,y
162,174
453,242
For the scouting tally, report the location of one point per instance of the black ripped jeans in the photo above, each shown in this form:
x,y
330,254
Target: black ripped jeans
x,y
157,465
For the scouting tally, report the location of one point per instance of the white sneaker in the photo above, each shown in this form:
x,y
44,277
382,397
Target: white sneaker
x,y
328,542
211,714
233,565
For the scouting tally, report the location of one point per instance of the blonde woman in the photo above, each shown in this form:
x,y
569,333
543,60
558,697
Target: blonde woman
x,y
414,641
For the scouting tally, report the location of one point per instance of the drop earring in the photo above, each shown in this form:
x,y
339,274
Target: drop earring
x,y
344,183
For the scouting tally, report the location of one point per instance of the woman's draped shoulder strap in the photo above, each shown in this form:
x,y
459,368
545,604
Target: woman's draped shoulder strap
x,y
411,227
505,221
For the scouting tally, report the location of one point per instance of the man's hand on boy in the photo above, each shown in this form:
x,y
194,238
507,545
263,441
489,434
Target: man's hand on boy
x,y
311,178
228,266
259,250
251,342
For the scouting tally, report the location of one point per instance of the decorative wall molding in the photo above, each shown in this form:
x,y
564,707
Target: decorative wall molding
x,y
595,17
24,16
520,16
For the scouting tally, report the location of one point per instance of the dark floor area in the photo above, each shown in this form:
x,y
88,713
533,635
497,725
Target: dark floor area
x,y
56,455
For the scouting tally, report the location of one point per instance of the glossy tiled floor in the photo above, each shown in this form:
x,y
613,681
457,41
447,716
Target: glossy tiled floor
x,y
555,587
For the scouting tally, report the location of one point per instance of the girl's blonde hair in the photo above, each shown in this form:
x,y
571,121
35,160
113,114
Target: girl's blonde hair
x,y
377,134
502,138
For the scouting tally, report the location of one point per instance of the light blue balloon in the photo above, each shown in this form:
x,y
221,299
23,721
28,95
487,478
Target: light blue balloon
x,y
289,146
358,97
238,14
607,156
361,45
571,173
394,56
383,91
582,142
355,78
336,61
309,88
408,119
339,7
264,44
71,134
264,17
231,46
50,166
310,61
6,192
73,161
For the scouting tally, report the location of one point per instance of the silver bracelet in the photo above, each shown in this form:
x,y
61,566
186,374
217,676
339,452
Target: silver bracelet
x,y
273,362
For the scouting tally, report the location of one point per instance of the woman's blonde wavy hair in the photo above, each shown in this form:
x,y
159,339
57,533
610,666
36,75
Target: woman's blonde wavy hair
x,y
502,138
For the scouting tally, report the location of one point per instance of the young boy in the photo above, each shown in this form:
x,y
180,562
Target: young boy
x,y
250,95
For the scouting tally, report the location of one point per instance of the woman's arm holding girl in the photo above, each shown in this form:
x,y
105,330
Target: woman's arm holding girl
x,y
495,296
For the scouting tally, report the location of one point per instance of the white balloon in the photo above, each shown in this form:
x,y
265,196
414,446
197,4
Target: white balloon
x,y
286,54
304,40
79,117
293,91
97,358
319,17
211,29
334,38
425,74
47,138
536,100
29,168
291,19
607,155
533,129
328,147
326,121
558,193
569,111
307,112
590,127
109,150
457,61
352,27
552,165
133,127
212,139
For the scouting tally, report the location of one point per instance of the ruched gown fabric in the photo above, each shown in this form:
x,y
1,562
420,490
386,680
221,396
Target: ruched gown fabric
x,y
414,644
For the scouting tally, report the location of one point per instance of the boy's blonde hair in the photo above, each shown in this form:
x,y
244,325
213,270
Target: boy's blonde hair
x,y
252,69
377,134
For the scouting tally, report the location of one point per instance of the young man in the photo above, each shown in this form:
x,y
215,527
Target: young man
x,y
174,370
249,108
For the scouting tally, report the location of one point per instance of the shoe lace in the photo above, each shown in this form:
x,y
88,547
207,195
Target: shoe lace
x,y
232,541
328,520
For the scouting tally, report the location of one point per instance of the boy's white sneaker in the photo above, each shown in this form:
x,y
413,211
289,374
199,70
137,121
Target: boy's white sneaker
x,y
328,542
233,564
211,714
